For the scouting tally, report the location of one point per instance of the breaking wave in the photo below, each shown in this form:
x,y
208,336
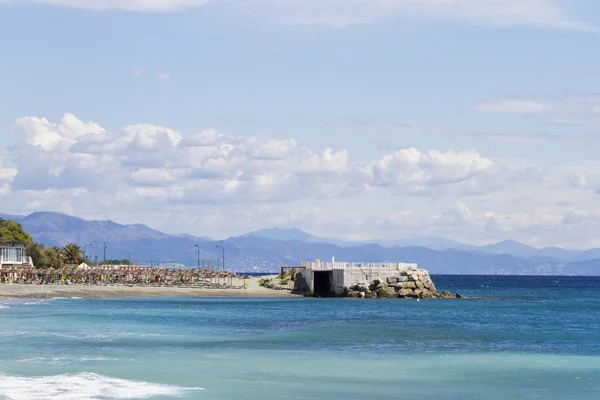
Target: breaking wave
x,y
83,386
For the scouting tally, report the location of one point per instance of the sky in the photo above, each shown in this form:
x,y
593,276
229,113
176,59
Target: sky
x,y
474,120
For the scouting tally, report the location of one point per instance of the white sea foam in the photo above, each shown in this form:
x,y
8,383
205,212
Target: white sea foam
x,y
83,386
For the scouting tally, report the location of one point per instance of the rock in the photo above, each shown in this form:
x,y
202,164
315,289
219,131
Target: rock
x,y
386,293
458,296
447,295
376,282
381,285
426,294
403,293
420,285
403,278
362,295
391,280
408,285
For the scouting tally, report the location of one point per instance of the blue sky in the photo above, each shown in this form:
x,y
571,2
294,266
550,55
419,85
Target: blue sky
x,y
475,120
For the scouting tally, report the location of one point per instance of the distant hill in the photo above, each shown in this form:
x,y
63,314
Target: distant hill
x,y
268,249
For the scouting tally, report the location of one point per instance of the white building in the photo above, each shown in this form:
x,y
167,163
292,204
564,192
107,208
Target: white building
x,y
14,255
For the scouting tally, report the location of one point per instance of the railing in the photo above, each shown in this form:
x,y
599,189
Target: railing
x,y
320,265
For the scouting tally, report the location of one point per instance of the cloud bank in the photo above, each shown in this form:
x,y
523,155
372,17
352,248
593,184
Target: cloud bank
x,y
187,182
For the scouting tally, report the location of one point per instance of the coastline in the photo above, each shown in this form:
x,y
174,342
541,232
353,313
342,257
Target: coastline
x,y
22,291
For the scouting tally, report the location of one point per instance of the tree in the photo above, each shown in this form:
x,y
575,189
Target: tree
x,y
72,253
45,257
12,232
52,258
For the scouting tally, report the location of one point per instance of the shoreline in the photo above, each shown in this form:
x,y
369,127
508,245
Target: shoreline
x,y
27,291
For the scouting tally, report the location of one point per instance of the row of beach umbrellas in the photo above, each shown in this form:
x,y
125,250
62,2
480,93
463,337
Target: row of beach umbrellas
x,y
111,272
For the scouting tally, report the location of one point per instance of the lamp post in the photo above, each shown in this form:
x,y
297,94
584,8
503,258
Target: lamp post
x,y
105,246
198,247
85,247
222,248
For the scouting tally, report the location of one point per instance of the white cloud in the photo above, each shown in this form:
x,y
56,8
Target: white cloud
x,y
164,77
6,177
414,171
343,13
147,173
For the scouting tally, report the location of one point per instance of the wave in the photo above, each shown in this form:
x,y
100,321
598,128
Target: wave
x,y
83,386
65,360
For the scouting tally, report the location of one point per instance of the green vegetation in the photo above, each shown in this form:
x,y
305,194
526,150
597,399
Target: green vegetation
x,y
12,232
72,254
284,278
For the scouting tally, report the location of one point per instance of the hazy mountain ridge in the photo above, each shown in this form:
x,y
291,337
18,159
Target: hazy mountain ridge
x,y
267,250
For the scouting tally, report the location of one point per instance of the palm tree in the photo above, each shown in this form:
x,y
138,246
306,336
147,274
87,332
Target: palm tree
x,y
71,253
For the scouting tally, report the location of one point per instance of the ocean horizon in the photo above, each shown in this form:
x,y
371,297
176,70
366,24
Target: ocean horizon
x,y
511,337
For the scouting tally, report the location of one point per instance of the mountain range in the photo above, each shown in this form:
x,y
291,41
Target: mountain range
x,y
268,249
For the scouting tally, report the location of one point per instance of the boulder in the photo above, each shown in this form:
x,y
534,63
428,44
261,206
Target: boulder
x,y
447,295
386,293
403,278
426,294
403,293
362,295
420,285
458,296
381,285
408,285
391,280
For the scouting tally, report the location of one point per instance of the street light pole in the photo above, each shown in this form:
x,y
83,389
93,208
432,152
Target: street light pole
x,y
85,247
223,248
198,255
105,246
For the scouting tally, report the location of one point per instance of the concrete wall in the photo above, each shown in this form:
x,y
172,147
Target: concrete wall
x,y
343,278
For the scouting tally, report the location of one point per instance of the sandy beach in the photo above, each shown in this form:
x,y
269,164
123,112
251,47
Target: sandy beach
x,y
8,291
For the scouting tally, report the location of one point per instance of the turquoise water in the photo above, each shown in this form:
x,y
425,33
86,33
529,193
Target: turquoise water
x,y
513,338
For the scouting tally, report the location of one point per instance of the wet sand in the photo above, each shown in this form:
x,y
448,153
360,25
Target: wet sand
x,y
15,291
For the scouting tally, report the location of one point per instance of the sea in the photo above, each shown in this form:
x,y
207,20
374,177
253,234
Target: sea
x,y
508,338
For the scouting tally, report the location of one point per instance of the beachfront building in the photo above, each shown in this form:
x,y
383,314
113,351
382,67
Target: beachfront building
x,y
14,255
332,277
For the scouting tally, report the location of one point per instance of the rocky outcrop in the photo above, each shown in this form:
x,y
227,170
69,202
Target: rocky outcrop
x,y
404,285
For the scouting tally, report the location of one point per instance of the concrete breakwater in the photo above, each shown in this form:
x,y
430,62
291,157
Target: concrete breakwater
x,y
406,285
365,280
